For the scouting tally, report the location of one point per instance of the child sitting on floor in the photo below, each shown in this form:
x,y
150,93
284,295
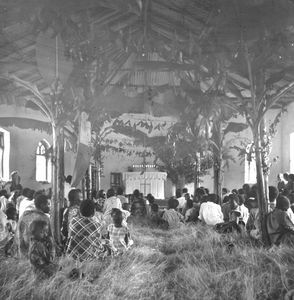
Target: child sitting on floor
x,y
173,218
155,220
189,210
41,250
118,234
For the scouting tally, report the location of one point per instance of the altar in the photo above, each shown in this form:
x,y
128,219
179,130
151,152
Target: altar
x,y
145,182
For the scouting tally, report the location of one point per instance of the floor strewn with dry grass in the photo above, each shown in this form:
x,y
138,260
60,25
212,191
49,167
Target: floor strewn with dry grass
x,y
191,263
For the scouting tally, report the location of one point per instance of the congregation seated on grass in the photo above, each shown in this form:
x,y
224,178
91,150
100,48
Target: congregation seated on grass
x,y
102,227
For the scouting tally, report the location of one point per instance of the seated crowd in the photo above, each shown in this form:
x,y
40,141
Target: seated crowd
x,y
98,228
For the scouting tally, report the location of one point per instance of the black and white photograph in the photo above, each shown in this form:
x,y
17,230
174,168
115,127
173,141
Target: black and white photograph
x,y
147,149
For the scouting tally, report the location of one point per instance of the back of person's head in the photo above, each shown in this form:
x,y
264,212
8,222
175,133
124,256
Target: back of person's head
x,y
116,215
253,194
234,200
11,213
68,179
184,190
74,197
189,204
199,193
212,198
31,194
286,176
119,191
101,194
3,193
110,193
154,207
26,192
283,203
151,199
204,199
241,192
273,193
87,208
149,196
291,177
224,190
41,203
37,193
16,187
178,193
235,191
252,201
136,193
241,199
246,188
36,227
226,199
172,203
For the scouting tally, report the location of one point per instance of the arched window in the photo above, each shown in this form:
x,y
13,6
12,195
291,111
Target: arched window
x,y
43,162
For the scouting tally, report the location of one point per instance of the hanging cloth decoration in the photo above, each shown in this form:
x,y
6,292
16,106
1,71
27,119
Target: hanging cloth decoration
x,y
84,150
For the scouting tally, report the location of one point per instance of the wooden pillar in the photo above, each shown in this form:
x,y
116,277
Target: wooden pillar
x,y
262,202
57,180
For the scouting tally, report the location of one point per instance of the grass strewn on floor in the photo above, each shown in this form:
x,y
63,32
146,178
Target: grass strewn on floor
x,y
189,263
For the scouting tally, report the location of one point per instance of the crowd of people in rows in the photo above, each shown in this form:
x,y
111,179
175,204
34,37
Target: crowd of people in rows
x,y
99,228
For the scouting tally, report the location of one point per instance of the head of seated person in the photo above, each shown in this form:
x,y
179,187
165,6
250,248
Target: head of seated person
x,y
87,208
283,203
172,203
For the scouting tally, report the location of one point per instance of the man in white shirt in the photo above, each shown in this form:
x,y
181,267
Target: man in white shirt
x,y
210,212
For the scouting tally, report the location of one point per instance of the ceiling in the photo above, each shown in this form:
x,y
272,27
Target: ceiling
x,y
176,29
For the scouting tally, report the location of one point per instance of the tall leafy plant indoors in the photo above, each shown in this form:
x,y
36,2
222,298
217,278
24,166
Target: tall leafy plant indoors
x,y
250,65
221,153
262,96
189,140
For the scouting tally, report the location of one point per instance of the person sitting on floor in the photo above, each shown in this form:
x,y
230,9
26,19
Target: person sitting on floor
x,y
210,212
5,235
230,205
11,214
119,235
173,218
120,196
74,198
253,223
27,202
84,235
155,218
278,223
189,209
273,195
244,212
42,208
41,250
